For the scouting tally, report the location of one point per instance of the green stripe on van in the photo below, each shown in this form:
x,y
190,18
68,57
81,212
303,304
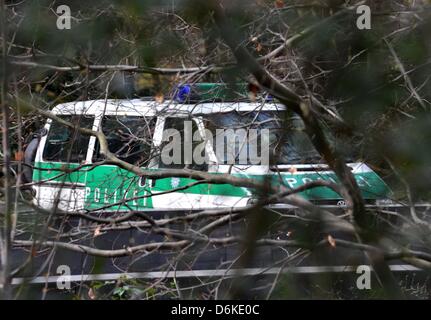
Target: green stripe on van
x,y
107,185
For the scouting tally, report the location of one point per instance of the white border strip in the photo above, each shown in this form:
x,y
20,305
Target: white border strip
x,y
202,273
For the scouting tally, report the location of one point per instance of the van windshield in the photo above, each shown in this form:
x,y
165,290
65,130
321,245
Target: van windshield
x,y
288,142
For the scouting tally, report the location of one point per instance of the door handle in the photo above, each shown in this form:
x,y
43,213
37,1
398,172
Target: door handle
x,y
152,183
147,182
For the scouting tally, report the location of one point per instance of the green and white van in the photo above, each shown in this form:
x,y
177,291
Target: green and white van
x,y
70,174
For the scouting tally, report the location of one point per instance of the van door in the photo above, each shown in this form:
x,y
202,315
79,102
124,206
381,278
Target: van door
x,y
59,174
109,187
182,146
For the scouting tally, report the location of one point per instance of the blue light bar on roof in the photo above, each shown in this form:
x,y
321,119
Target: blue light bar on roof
x,y
183,93
200,92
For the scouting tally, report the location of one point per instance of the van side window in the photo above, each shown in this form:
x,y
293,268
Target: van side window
x,y
288,142
129,138
179,145
64,144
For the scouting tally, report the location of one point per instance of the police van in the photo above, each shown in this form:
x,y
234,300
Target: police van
x,y
69,172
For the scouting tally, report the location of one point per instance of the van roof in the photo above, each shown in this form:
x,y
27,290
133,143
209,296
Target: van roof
x,y
151,107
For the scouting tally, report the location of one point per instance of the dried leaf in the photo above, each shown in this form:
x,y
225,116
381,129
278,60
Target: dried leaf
x,y
279,4
331,241
159,97
258,47
97,232
19,156
33,251
91,294
38,87
252,96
